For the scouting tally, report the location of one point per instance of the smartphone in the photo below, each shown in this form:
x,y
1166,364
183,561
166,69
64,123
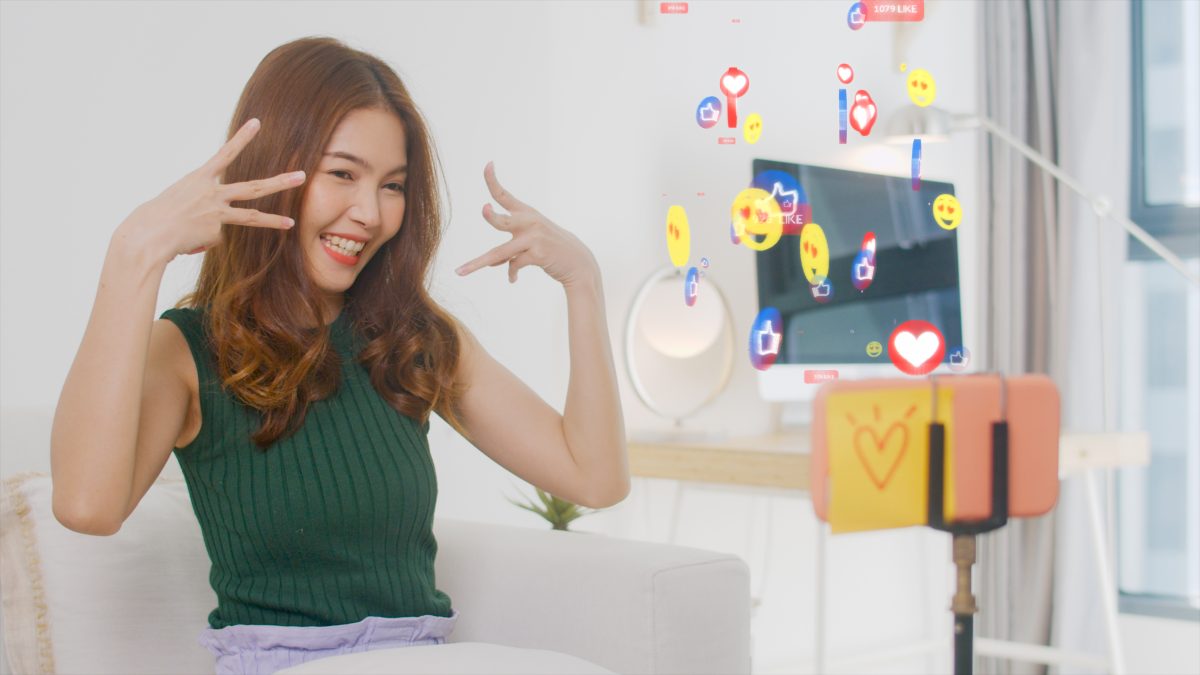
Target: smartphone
x,y
879,429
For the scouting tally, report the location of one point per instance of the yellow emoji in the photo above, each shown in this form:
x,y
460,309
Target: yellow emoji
x,y
874,349
921,87
947,212
755,214
753,129
814,253
679,236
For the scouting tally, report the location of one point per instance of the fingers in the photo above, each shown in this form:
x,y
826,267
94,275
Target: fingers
x,y
516,264
500,221
253,189
496,256
255,218
502,196
233,147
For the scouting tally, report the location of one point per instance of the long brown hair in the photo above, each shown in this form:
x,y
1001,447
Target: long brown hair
x,y
254,284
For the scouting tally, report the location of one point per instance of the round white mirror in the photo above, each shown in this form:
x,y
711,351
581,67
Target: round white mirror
x,y
679,357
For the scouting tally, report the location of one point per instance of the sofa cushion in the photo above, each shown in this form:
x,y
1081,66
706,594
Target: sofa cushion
x,y
61,588
458,658
137,601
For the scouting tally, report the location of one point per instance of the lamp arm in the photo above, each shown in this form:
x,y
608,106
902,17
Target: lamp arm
x,y
1100,204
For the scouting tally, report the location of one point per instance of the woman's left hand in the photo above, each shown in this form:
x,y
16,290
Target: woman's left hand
x,y
536,241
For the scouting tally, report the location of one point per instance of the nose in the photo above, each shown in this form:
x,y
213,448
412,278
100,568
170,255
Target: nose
x,y
366,208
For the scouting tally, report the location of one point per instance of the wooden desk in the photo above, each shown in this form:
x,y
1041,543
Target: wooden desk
x,y
778,460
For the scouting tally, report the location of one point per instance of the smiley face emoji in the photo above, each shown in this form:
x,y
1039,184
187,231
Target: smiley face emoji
x,y
814,253
947,212
752,131
679,236
921,87
874,349
757,219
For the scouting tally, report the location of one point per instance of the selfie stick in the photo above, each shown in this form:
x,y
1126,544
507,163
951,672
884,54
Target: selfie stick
x,y
963,604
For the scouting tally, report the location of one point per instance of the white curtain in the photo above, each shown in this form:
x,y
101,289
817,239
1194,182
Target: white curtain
x,y
1057,75
1094,146
1024,235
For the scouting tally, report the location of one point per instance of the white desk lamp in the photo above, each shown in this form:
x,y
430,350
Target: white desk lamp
x,y
935,124
678,357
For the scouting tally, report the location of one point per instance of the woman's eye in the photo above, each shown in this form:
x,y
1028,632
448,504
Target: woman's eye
x,y
399,186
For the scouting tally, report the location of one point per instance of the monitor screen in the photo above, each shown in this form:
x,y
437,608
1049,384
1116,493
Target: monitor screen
x,y
915,272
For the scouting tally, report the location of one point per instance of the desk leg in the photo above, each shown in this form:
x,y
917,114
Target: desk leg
x,y
819,623
1108,589
762,584
673,527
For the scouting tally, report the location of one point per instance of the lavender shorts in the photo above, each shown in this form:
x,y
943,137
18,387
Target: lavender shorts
x,y
246,648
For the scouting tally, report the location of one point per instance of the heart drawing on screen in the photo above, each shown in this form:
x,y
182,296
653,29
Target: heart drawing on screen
x,y
881,456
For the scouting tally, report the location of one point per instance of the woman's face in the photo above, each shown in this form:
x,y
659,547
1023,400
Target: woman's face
x,y
357,193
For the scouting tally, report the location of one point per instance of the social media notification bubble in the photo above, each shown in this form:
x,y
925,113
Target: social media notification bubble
x,y
691,286
789,195
708,112
916,347
766,338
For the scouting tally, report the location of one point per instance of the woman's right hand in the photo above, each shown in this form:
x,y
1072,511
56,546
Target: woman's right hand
x,y
186,218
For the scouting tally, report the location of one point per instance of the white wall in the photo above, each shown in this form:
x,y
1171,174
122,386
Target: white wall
x,y
588,115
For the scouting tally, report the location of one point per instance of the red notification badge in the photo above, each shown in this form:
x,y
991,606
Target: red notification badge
x,y
734,83
894,10
916,347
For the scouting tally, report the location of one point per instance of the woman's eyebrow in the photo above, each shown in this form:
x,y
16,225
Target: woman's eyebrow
x,y
362,162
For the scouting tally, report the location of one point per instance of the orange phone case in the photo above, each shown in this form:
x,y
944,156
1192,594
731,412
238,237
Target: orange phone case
x,y
1032,412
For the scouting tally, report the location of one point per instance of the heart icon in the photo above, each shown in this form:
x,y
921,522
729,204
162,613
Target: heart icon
x,y
845,73
745,213
733,83
863,112
881,456
916,347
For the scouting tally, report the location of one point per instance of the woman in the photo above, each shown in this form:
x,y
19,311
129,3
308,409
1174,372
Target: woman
x,y
295,383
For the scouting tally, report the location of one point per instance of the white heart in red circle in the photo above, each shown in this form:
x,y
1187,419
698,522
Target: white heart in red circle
x,y
733,83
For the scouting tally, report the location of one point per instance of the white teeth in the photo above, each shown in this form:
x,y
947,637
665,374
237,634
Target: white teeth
x,y
344,246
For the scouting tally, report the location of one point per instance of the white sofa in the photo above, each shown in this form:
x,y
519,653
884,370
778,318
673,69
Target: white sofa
x,y
530,600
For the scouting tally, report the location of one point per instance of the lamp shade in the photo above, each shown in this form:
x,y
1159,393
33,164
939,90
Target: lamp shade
x,y
678,356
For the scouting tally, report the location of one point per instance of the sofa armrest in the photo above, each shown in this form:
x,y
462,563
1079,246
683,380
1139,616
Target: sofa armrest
x,y
629,606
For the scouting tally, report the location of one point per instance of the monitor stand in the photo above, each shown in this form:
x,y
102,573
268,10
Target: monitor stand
x,y
795,414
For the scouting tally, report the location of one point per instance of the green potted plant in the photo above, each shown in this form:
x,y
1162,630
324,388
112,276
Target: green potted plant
x,y
559,512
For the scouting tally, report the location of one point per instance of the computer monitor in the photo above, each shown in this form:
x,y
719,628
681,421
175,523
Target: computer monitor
x,y
915,276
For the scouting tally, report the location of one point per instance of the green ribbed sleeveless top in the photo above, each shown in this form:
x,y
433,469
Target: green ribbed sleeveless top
x,y
332,524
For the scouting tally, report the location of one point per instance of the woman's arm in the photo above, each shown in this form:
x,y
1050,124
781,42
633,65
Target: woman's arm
x,y
580,455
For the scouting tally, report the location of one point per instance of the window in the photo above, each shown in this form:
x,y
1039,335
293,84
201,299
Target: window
x,y
1158,527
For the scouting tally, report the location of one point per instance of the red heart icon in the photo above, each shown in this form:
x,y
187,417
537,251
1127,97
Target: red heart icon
x,y
745,213
863,112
